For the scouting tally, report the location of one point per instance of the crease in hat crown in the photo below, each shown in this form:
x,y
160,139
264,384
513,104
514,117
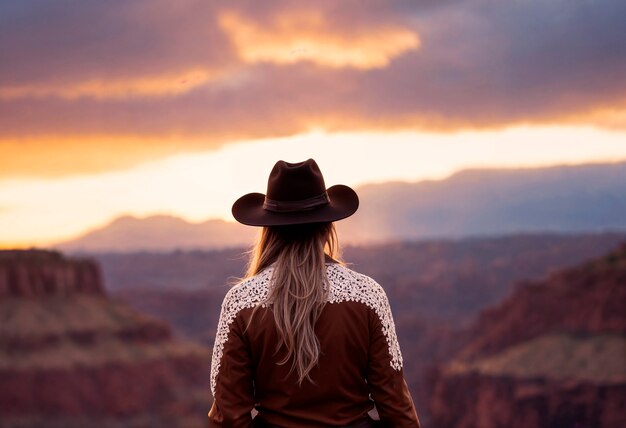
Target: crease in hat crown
x,y
296,193
295,186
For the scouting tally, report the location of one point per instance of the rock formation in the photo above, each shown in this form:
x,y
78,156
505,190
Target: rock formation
x,y
552,355
72,357
45,273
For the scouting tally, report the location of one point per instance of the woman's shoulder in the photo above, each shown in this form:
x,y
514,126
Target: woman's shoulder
x,y
348,284
249,291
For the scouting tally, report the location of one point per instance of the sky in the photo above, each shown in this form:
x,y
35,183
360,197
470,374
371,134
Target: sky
x,y
151,106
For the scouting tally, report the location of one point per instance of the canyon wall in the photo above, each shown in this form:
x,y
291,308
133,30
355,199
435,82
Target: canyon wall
x,y
70,356
551,355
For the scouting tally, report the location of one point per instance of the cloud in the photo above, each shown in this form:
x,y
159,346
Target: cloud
x,y
159,77
73,49
100,88
306,35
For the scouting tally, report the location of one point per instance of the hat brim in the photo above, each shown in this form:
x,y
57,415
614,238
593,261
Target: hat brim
x,y
249,209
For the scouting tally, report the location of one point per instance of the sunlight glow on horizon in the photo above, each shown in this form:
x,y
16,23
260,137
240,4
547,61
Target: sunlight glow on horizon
x,y
201,186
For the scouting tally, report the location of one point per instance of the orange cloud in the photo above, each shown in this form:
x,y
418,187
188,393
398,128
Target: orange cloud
x,y
167,84
307,36
611,118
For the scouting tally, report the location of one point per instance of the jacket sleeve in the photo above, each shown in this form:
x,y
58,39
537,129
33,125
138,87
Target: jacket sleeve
x,y
231,373
385,376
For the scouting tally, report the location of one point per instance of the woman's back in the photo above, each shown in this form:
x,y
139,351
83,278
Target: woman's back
x,y
359,355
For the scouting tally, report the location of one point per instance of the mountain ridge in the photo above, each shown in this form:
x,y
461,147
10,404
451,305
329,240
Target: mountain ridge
x,y
158,232
470,202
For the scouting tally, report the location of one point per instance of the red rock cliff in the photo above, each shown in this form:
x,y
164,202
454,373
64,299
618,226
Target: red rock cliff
x,y
31,273
72,357
552,355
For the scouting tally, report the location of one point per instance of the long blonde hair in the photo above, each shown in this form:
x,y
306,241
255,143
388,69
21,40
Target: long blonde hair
x,y
299,286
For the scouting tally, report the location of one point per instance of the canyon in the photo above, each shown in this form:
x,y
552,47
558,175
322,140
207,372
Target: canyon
x,y
553,354
71,356
521,325
436,287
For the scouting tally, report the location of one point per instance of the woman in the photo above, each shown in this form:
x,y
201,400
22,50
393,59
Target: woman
x,y
304,340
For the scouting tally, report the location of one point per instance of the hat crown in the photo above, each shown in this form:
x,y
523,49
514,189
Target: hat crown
x,y
296,194
295,181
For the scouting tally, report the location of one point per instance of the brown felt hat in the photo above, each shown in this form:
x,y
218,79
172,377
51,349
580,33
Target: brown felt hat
x,y
296,194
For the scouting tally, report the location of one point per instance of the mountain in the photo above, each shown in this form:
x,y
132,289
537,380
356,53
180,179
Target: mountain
x,y
72,357
551,355
158,233
471,202
495,201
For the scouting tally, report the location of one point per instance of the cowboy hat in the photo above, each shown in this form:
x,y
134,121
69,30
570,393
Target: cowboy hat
x,y
296,194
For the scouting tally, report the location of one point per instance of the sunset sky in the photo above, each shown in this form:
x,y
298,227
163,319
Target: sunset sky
x,y
179,107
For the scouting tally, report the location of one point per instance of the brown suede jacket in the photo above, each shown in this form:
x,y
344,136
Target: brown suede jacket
x,y
360,363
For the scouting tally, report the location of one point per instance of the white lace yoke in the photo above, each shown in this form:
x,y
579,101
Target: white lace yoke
x,y
345,285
